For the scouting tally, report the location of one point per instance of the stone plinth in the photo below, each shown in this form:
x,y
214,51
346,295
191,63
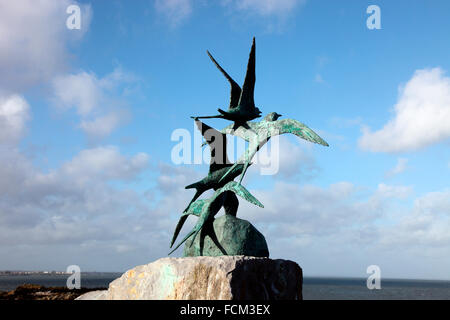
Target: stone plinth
x,y
207,278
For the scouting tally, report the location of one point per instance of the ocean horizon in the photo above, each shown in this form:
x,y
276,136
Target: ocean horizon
x,y
314,288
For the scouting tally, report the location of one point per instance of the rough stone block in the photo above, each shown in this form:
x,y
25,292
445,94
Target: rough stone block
x,y
207,278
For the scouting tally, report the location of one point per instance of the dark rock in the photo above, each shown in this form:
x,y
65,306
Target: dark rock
x,y
38,292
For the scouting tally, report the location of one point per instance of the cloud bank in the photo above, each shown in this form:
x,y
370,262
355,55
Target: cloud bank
x,y
421,116
34,41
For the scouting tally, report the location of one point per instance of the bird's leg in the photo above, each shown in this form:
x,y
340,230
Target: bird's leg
x,y
228,172
195,234
247,161
243,171
246,126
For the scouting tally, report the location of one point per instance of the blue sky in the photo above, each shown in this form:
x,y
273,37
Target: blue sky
x,y
87,116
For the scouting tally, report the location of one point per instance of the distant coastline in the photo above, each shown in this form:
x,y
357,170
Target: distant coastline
x,y
313,278
23,273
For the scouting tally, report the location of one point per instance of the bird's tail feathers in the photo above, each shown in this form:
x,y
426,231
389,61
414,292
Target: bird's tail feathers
x,y
185,238
178,228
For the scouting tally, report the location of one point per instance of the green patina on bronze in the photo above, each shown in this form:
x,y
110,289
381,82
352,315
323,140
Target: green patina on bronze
x,y
208,208
242,105
228,235
259,133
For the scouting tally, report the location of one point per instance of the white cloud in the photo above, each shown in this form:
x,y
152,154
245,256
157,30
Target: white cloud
x,y
70,203
272,15
85,176
422,116
318,210
98,101
14,113
81,91
293,160
33,41
388,191
176,11
268,7
104,125
103,162
425,227
401,166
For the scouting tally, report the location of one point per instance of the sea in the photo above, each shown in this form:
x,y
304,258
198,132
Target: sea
x,y
314,288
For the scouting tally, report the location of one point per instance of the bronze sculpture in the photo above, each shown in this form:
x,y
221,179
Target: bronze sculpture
x,y
222,172
207,209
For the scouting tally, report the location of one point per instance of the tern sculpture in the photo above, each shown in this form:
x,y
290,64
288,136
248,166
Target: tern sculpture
x,y
242,105
237,236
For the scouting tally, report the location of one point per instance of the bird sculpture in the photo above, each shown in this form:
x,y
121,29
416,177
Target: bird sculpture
x,y
260,132
206,209
222,172
242,105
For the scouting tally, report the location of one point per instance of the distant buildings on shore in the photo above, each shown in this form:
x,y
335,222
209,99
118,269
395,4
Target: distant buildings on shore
x,y
17,273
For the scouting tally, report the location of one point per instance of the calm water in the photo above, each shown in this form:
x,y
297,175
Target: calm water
x,y
313,288
356,289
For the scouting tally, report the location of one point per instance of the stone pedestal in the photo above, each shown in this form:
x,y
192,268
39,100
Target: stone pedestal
x,y
207,278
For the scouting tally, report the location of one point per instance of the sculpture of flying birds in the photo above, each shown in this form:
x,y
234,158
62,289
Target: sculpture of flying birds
x,y
242,105
222,172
